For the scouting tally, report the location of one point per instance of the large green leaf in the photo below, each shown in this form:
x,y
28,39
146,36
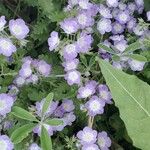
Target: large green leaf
x,y
19,134
23,114
132,97
46,142
54,122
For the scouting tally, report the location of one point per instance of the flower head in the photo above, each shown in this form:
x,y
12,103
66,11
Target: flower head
x,y
105,12
136,65
25,70
117,28
104,141
148,15
6,47
53,40
90,147
112,3
87,136
6,102
2,22
70,64
34,146
67,105
6,143
18,28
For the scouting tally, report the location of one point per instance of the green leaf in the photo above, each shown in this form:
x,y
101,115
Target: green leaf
x,y
132,47
46,142
83,60
106,48
131,96
147,5
54,122
92,61
19,134
137,57
47,102
23,114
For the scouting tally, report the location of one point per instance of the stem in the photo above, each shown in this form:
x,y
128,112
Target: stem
x,y
90,121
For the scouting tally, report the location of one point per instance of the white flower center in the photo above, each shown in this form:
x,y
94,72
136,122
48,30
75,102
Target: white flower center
x,y
20,81
95,105
123,17
70,48
5,45
86,93
2,105
71,65
3,145
83,4
103,94
73,76
17,29
82,19
88,137
90,148
101,142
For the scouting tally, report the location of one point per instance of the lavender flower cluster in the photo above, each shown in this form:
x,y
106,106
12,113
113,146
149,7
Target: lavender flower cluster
x,y
90,139
18,30
63,111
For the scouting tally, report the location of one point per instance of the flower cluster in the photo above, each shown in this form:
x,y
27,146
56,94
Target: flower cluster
x,y
18,30
91,140
63,111
31,70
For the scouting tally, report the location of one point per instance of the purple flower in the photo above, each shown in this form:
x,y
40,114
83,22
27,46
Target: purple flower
x,y
104,25
104,93
139,30
53,40
104,141
33,78
106,43
84,20
131,7
34,146
59,112
122,6
87,136
117,38
68,105
92,10
2,22
73,77
69,118
148,15
19,81
25,70
117,28
6,102
84,43
121,45
18,28
72,2
69,25
90,147
139,3
52,107
131,24
123,17
115,12
7,47
6,143
87,90
70,52
105,12
44,68
117,65
136,65
84,4
71,64
38,128
112,3
95,106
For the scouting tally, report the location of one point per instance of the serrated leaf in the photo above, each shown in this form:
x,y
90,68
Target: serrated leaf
x,y
21,133
106,48
23,114
46,142
83,60
92,61
47,102
54,122
132,47
131,96
137,57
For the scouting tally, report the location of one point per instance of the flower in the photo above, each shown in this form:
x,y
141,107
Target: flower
x,y
68,105
95,106
104,93
44,68
131,7
121,45
19,81
53,40
87,90
123,17
70,52
69,118
2,22
112,3
148,15
104,141
72,2
131,24
25,70
136,65
73,77
122,6
34,146
69,25
139,30
104,25
6,143
117,28
84,20
18,28
70,64
6,47
84,43
90,147
105,12
87,136
6,102
84,4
